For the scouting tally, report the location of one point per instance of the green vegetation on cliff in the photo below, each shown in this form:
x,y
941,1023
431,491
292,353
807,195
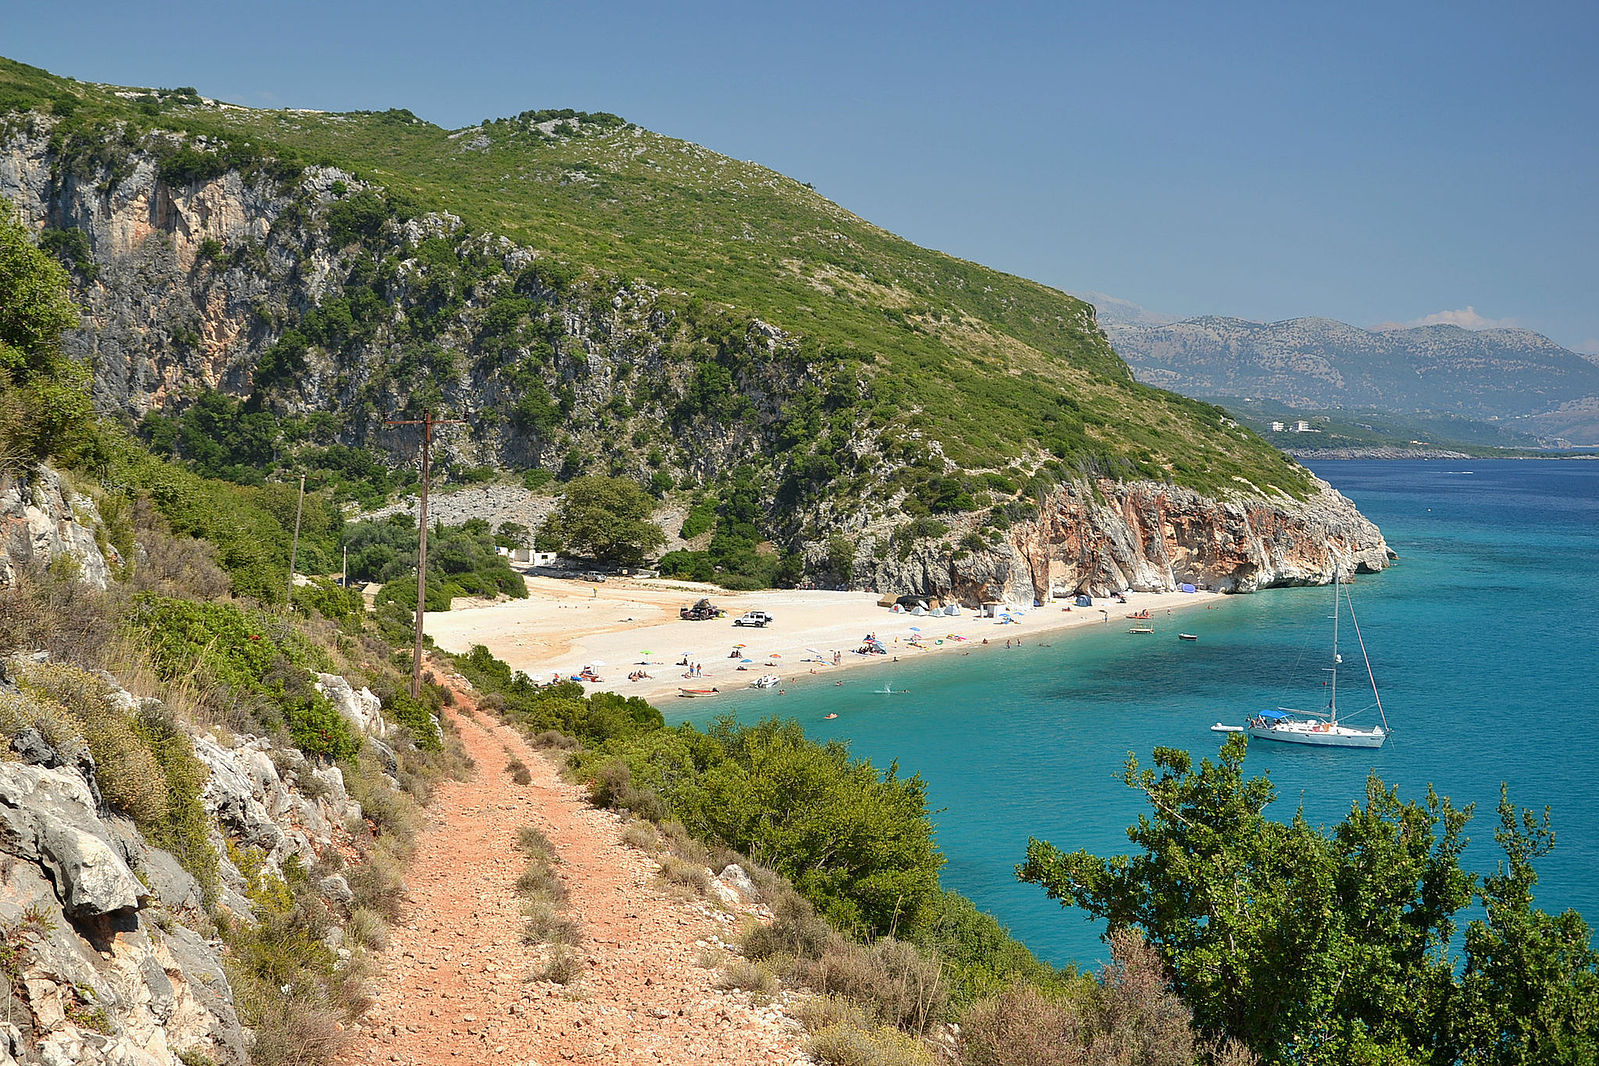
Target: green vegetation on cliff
x,y
929,356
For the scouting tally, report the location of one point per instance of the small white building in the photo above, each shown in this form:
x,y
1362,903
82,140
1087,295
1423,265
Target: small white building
x,y
532,557
1276,427
1301,426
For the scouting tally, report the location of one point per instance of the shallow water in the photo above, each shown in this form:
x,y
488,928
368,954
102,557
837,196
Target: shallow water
x,y
1484,639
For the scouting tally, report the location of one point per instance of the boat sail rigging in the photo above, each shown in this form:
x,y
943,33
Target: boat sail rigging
x,y
1322,728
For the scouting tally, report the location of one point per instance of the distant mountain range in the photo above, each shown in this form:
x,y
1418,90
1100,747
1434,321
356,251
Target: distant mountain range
x,y
1513,376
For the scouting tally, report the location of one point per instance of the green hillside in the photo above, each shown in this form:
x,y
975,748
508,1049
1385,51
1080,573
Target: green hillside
x,y
991,366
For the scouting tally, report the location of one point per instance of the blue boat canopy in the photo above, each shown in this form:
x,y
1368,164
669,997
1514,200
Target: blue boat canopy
x,y
1275,715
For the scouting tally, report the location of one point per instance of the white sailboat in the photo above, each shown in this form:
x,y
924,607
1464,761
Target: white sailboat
x,y
1322,728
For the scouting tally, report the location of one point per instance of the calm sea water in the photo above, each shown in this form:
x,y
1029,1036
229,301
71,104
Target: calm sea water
x,y
1484,639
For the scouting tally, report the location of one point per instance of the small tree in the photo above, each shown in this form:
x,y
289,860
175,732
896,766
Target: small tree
x,y
606,519
1332,945
44,394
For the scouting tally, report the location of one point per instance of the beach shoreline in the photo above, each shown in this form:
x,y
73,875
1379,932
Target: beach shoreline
x,y
625,626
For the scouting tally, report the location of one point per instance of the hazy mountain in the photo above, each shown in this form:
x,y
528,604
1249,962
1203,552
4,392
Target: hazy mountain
x,y
1491,374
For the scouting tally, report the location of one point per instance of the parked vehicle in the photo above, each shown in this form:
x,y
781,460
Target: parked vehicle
x,y
760,619
702,611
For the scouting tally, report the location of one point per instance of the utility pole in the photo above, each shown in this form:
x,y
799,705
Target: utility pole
x,y
294,552
427,422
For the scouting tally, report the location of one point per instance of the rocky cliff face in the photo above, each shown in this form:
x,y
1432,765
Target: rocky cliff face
x,y
1106,536
43,521
301,291
108,950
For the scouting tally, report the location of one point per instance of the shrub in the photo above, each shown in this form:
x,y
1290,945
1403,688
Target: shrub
x,y
545,924
641,835
746,975
795,929
896,983
519,771
539,880
563,967
675,871
843,1045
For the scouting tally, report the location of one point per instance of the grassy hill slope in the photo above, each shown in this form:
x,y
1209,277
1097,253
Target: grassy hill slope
x,y
991,366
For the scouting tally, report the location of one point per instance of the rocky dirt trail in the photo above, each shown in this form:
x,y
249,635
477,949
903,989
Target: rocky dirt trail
x,y
457,985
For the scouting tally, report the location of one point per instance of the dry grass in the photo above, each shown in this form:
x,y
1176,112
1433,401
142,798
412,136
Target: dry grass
x,y
749,976
543,894
683,874
845,1045
563,967
49,610
898,984
367,929
710,958
294,1031
641,835
545,924
551,738
1129,1017
538,879
518,770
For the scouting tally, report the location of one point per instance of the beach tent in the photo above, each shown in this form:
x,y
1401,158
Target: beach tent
x,y
952,609
918,610
1084,600
1187,587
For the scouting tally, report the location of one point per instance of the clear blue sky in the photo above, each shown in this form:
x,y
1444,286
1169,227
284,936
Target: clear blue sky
x,y
1370,162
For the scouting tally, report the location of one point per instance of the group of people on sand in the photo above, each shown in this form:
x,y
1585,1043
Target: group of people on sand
x,y
638,675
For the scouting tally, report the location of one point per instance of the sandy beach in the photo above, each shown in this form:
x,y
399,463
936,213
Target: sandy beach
x,y
625,626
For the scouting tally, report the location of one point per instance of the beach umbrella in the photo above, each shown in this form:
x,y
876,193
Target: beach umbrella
x,y
774,655
916,629
646,651
746,661
596,662
741,645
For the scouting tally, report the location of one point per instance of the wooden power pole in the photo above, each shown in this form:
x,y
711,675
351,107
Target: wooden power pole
x,y
294,552
427,422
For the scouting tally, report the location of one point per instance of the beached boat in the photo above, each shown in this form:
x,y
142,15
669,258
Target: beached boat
x,y
1321,728
691,692
766,681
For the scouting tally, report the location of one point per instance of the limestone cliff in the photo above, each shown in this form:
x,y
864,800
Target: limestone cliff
x,y
109,948
1106,536
43,521
298,288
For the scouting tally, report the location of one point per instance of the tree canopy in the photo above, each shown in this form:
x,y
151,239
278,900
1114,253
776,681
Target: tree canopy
x,y
1333,946
44,395
606,519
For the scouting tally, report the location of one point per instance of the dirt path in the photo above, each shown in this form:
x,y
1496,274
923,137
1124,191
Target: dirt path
x,y
457,985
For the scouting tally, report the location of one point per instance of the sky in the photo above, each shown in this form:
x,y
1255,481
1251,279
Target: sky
x,y
1376,163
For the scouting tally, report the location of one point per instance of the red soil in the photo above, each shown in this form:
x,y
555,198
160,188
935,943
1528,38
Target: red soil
x,y
457,985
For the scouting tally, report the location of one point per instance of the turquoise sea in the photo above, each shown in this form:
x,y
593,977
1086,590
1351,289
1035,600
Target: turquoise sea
x,y
1484,639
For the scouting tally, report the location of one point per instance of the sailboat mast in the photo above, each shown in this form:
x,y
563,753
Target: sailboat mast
x,y
1332,701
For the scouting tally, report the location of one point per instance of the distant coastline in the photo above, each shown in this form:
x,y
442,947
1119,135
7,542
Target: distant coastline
x,y
1390,452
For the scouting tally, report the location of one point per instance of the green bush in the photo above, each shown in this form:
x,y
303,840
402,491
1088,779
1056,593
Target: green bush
x,y
856,842
249,654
